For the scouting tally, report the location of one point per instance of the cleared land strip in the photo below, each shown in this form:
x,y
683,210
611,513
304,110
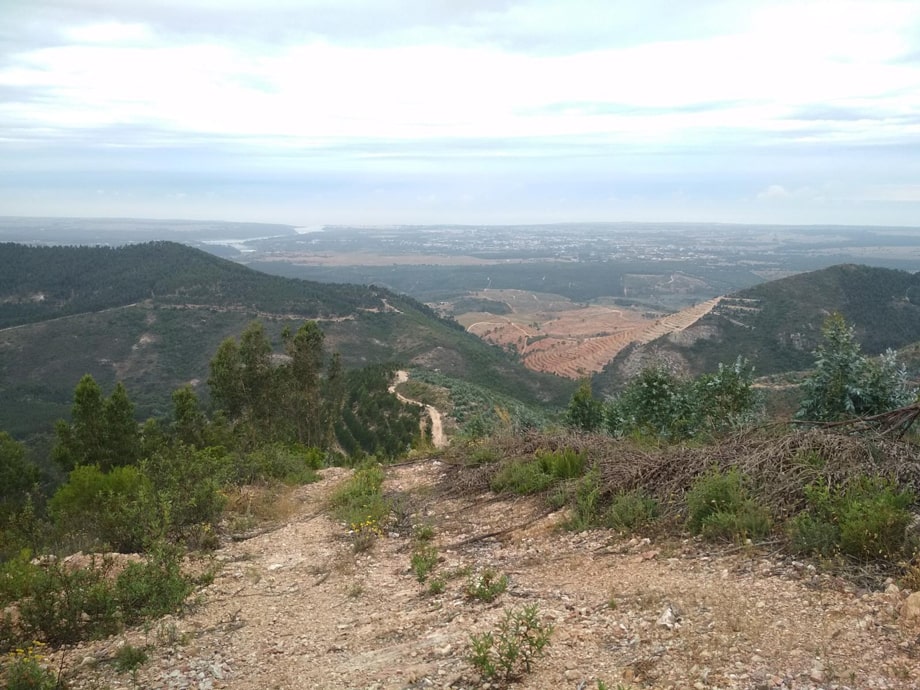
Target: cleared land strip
x,y
577,357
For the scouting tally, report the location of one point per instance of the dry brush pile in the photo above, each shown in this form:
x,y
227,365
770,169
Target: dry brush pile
x,y
809,482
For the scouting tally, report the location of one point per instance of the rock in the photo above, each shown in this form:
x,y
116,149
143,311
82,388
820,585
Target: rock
x,y
667,619
910,611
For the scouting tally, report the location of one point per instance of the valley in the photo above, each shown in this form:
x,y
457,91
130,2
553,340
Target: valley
x,y
554,335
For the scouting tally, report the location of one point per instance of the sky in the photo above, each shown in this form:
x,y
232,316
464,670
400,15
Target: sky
x,y
368,112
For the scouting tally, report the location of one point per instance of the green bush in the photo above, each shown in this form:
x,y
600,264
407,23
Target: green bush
x,y
130,658
187,485
714,492
482,455
26,671
586,499
290,464
65,606
813,535
424,559
16,576
69,606
508,653
152,588
114,509
749,521
486,585
562,464
630,510
521,478
360,499
866,520
719,507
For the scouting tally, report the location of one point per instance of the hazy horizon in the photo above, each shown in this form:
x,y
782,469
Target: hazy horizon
x,y
402,112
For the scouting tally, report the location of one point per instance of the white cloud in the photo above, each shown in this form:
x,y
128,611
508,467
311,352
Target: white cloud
x,y
554,84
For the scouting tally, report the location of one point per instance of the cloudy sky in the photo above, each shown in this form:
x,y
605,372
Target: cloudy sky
x,y
455,111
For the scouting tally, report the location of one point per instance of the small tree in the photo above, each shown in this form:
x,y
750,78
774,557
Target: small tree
x,y
656,403
584,411
845,383
726,400
101,432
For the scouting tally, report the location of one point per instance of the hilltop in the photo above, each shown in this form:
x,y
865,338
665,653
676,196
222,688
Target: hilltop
x,y
777,325
153,315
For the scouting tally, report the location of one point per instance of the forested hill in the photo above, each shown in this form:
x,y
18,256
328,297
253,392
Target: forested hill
x,y
152,315
777,325
38,283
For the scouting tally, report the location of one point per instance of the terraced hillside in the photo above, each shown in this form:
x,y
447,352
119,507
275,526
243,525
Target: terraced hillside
x,y
556,336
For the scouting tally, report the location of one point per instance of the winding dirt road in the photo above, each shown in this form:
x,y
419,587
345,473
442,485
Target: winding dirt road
x,y
437,424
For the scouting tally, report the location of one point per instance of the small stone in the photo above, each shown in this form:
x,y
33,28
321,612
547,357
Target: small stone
x,y
571,674
88,661
667,619
910,611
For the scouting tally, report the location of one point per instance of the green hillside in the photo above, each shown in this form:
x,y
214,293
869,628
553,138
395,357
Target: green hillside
x,y
777,325
153,315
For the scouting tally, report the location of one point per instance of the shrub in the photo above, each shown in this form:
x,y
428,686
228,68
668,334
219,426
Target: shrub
x,y
486,585
16,576
65,607
290,464
866,520
424,559
152,588
360,500
129,658
714,492
630,510
483,455
718,507
113,508
562,464
813,535
187,484
26,672
749,521
508,653
521,478
437,585
69,606
586,508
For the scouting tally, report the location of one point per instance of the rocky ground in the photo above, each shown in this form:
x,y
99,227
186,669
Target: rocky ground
x,y
297,607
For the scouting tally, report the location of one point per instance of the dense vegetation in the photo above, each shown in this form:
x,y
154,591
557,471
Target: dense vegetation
x,y
145,488
777,325
165,308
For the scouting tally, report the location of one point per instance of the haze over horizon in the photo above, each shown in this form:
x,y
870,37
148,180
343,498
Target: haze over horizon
x,y
413,111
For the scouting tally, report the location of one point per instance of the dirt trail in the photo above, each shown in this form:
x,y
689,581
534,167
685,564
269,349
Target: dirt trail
x,y
438,437
298,608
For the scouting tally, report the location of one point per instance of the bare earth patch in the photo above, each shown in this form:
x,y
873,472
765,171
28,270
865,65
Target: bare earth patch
x,y
298,608
555,335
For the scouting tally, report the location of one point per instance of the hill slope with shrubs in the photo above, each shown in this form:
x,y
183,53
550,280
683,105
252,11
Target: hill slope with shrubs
x,y
151,315
777,325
